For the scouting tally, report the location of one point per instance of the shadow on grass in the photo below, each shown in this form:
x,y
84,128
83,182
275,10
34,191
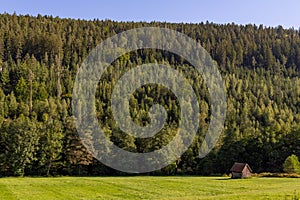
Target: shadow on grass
x,y
224,179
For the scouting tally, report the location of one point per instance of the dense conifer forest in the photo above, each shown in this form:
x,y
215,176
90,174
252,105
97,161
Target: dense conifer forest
x,y
39,59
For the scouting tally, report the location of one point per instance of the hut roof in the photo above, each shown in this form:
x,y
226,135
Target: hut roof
x,y
239,167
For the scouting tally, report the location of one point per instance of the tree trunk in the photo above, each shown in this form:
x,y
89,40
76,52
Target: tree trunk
x,y
49,167
58,63
30,97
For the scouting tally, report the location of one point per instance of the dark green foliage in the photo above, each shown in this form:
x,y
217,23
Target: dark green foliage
x,y
39,59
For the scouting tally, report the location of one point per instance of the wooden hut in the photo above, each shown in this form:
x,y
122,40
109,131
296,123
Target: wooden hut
x,y
241,170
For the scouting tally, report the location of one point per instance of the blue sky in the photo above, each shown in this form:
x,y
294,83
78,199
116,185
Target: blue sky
x,y
267,12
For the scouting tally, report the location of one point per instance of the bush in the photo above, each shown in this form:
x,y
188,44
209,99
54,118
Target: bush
x,y
277,175
291,165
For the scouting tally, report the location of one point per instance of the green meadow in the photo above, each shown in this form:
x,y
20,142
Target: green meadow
x,y
147,187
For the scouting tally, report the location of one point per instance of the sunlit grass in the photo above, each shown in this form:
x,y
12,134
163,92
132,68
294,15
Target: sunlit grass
x,y
143,187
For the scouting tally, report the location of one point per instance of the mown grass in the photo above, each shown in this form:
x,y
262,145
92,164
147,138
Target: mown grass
x,y
144,187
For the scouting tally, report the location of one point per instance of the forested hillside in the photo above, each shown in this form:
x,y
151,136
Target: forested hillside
x,y
39,59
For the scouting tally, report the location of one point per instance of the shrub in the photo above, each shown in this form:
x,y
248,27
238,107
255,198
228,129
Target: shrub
x,y
291,165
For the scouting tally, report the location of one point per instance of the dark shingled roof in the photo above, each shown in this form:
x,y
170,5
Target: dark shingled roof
x,y
238,167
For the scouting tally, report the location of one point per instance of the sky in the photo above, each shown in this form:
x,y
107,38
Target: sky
x,y
266,12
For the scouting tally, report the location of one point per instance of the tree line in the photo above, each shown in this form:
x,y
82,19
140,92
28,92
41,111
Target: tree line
x,y
39,59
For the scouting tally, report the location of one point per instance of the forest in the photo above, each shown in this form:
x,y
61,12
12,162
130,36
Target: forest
x,y
40,57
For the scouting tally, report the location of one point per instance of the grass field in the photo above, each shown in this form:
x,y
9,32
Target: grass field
x,y
143,187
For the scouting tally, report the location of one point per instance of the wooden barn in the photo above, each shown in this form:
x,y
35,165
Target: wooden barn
x,y
241,170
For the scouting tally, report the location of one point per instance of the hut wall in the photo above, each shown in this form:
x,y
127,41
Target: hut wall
x,y
236,175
